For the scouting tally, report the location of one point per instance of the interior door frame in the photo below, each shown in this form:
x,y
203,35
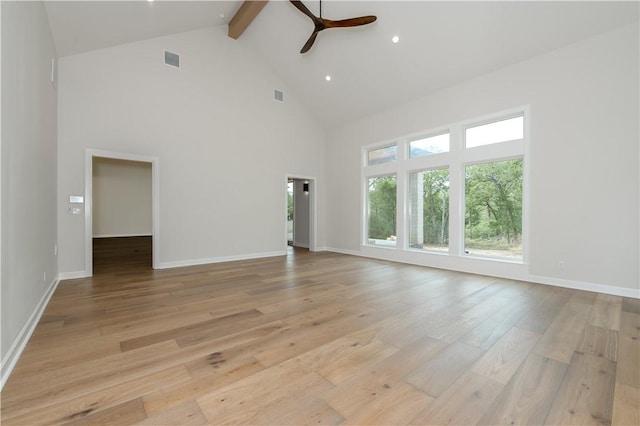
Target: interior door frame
x,y
313,190
90,154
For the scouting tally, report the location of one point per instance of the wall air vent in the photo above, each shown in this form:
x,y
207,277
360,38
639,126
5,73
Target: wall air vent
x,y
278,95
172,59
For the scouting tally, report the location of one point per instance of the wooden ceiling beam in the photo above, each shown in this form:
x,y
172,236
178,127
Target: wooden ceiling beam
x,y
244,16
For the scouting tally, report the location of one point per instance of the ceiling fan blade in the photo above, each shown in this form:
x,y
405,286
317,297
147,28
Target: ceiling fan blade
x,y
309,42
302,8
352,22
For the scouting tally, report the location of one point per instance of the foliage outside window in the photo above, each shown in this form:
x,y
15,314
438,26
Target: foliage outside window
x,y
493,209
381,227
429,210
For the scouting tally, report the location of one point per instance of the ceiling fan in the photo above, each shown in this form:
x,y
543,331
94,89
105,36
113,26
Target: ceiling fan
x,y
321,23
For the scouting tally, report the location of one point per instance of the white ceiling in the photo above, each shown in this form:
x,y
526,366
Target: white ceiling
x,y
441,43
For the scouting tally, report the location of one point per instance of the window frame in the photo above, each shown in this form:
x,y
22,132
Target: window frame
x,y
455,161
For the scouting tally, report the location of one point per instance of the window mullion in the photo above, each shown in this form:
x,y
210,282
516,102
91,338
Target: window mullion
x,y
456,193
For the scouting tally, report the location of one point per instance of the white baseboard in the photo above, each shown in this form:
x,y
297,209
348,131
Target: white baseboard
x,y
301,245
12,356
73,275
342,251
122,235
195,262
594,287
558,282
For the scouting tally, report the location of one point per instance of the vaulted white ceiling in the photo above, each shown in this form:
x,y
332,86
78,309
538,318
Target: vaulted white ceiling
x,y
441,43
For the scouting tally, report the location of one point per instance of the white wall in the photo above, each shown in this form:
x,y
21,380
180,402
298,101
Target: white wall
x,y
583,162
223,143
29,265
122,202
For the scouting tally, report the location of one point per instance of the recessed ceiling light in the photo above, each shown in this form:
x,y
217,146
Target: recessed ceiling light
x,y
222,15
395,39
327,77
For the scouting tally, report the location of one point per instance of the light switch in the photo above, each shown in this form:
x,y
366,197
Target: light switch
x,y
74,210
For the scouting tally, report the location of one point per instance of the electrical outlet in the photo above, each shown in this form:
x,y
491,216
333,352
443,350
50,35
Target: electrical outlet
x,y
561,266
44,277
55,249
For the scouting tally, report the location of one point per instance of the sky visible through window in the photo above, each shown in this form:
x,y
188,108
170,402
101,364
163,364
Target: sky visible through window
x,y
429,146
499,131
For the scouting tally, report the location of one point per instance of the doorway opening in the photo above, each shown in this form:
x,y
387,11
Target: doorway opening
x,y
290,213
300,214
121,212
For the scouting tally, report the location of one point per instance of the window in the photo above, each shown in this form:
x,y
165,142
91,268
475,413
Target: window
x,y
429,210
382,155
459,192
428,146
381,223
493,209
499,131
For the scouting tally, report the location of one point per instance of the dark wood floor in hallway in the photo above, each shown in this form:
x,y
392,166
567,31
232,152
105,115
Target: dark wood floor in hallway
x,y
325,338
122,254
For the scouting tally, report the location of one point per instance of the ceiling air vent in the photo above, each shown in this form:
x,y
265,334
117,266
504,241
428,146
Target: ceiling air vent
x,y
278,95
172,59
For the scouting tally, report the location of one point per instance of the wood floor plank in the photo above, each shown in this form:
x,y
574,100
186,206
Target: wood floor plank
x,y
261,398
631,305
76,380
626,405
158,401
586,393
453,330
147,325
488,332
207,378
324,338
503,359
341,358
606,311
546,311
304,410
599,342
66,354
443,318
124,414
463,403
59,408
194,333
528,396
309,332
437,375
563,335
187,413
628,371
351,395
397,407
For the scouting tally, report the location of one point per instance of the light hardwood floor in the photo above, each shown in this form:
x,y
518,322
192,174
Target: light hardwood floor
x,y
324,338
